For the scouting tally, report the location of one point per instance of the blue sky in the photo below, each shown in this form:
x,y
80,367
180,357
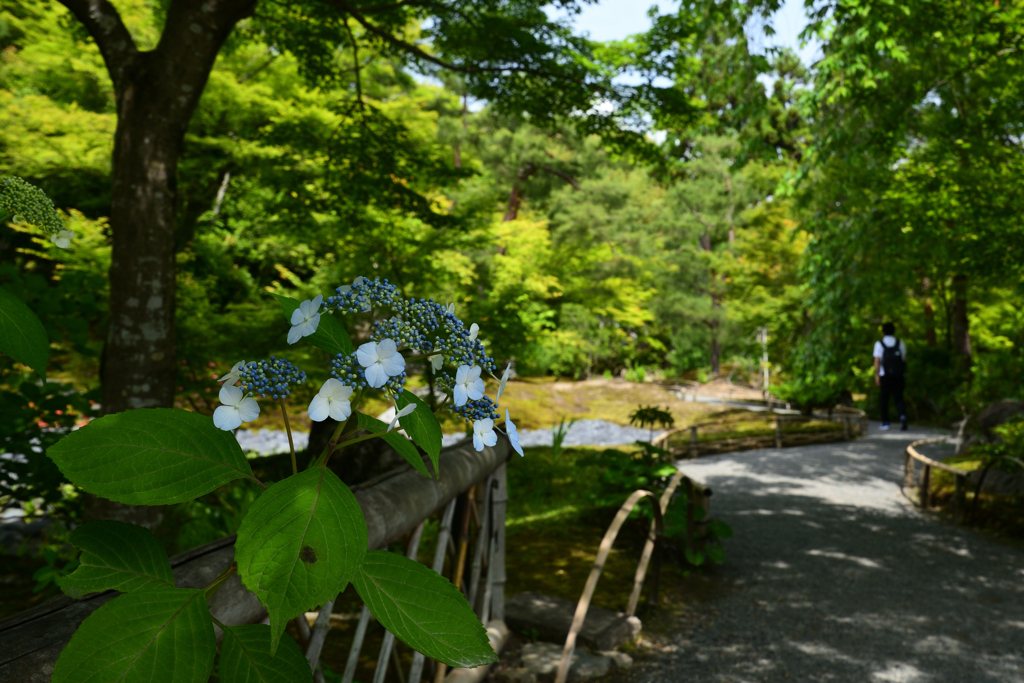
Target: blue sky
x,y
615,19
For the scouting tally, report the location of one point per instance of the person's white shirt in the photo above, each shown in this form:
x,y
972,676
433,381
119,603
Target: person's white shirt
x,y
889,341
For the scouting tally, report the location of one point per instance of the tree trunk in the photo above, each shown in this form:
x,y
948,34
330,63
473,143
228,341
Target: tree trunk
x,y
157,92
961,325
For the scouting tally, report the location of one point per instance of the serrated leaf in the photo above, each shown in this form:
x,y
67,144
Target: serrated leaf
x,y
396,441
330,334
162,635
22,336
245,657
421,425
300,545
424,609
152,456
116,556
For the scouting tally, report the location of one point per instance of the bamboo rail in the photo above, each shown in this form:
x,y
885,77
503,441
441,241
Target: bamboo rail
x,y
854,424
924,479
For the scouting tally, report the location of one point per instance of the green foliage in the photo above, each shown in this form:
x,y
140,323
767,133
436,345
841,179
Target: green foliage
x,y
558,435
651,417
22,336
396,441
163,633
173,455
423,609
50,574
300,545
116,556
246,657
421,424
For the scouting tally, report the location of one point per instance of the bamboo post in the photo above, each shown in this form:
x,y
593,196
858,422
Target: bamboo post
x,y
778,432
959,499
381,671
909,465
925,486
694,452
499,502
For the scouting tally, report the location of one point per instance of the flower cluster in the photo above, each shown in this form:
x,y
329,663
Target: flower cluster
x,y
272,377
26,203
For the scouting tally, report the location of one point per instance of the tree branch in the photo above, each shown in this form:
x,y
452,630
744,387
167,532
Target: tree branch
x,y
104,24
564,176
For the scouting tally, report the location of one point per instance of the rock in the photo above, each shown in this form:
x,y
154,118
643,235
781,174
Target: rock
x,y
997,482
518,675
550,618
620,659
996,414
542,660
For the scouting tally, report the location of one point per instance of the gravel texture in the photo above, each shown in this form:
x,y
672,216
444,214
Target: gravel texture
x,y
831,576
582,433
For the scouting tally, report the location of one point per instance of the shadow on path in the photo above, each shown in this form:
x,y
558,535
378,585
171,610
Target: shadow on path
x,y
837,579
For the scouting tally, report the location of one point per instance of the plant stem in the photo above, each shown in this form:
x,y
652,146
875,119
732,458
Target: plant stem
x,y
291,444
217,583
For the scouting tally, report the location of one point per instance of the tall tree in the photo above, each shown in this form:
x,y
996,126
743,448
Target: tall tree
x,y
509,53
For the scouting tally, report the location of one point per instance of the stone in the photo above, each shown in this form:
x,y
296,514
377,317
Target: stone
x,y
549,618
517,675
620,659
996,414
543,658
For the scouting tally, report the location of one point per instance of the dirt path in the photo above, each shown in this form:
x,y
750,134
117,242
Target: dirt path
x,y
834,578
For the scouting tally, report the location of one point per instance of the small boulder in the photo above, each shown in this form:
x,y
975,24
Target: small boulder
x,y
549,618
543,658
620,659
996,414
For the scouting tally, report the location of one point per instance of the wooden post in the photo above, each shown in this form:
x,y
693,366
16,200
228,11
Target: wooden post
x,y
694,452
925,486
778,432
960,499
499,501
908,469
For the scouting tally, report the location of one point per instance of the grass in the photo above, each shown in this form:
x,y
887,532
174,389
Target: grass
x,y
743,429
1001,515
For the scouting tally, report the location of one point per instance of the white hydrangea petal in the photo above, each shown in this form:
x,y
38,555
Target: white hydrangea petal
x,y
358,282
490,438
230,395
503,382
386,348
319,408
339,409
227,418
336,390
297,317
474,330
367,354
376,376
475,389
474,372
460,395
248,409
294,334
478,443
394,364
461,374
309,326
406,410
436,361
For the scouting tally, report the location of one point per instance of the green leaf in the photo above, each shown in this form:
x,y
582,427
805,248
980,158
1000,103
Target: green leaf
x,y
162,634
424,609
246,657
330,334
694,557
421,425
153,456
716,553
117,556
719,529
22,336
300,545
396,441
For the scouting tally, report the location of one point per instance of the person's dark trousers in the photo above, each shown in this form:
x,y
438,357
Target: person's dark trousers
x,y
892,388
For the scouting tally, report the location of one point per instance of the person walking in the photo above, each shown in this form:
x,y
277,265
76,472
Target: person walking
x,y
890,372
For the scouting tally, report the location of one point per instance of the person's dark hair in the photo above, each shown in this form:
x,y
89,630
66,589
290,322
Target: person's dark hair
x,y
888,328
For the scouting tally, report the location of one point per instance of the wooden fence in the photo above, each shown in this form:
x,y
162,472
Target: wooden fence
x,y
923,479
854,425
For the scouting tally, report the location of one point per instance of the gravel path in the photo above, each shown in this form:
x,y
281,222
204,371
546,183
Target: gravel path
x,y
832,577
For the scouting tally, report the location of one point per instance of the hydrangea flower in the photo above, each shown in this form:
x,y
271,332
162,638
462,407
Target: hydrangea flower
x,y
468,384
233,375
305,319
331,401
272,377
474,330
23,202
512,433
501,384
483,434
63,238
380,361
400,414
436,362
237,408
